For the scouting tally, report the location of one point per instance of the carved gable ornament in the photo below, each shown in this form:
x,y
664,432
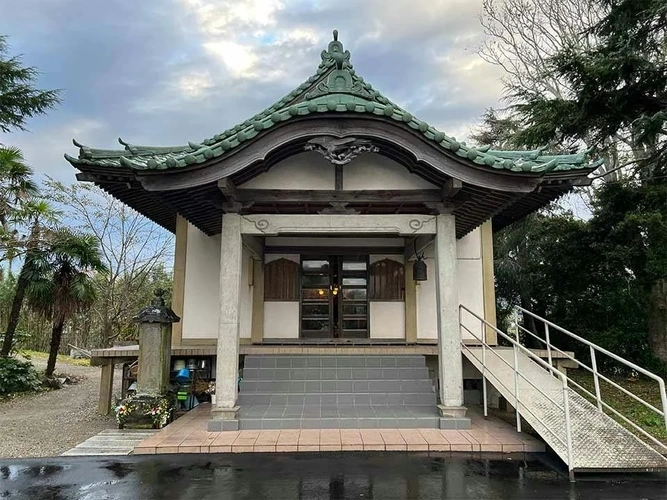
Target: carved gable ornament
x,y
340,80
340,151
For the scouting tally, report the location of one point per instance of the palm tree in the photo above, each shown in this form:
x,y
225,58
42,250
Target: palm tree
x,y
16,183
16,188
17,192
34,214
61,281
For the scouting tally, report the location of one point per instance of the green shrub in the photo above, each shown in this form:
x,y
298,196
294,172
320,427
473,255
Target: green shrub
x,y
20,340
17,376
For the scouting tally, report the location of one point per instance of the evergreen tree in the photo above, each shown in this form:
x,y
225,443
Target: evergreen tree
x,y
618,99
19,96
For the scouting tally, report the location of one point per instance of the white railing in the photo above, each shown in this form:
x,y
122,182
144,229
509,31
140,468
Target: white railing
x,y
564,405
597,376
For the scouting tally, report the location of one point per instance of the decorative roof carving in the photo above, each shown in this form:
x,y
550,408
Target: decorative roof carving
x,y
340,151
338,208
335,54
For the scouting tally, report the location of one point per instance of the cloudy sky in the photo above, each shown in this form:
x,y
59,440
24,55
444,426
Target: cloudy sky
x,y
163,72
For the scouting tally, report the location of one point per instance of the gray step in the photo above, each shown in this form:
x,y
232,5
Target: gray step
x,y
334,399
339,423
328,361
336,373
343,417
329,386
95,452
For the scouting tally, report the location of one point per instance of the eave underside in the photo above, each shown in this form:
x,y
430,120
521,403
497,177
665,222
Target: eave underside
x,y
203,206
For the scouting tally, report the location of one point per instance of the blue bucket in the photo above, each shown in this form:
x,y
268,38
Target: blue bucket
x,y
183,376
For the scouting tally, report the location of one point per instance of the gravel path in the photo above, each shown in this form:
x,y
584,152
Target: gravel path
x,y
50,423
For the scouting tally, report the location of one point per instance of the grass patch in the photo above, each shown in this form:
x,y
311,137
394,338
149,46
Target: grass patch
x,y
61,358
642,387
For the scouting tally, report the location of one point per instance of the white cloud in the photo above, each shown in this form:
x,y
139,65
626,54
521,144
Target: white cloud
x,y
208,64
195,84
43,148
239,59
217,18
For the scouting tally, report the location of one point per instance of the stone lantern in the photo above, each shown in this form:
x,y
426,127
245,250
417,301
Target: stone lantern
x,y
151,404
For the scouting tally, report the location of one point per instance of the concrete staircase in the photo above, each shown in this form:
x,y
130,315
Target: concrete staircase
x,y
329,392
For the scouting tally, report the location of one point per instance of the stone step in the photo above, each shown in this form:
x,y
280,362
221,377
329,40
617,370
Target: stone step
x,y
337,386
336,373
126,432
333,399
339,423
94,452
116,444
329,361
111,442
343,417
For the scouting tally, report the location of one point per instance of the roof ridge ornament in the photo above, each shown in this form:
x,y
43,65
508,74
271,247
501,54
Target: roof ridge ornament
x,y
342,78
336,54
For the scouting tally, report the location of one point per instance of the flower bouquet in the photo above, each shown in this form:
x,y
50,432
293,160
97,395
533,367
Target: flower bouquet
x,y
144,411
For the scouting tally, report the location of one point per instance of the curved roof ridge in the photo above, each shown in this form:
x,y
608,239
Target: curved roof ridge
x,y
334,88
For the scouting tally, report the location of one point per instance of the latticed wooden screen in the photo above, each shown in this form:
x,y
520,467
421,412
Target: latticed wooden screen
x,y
387,280
281,280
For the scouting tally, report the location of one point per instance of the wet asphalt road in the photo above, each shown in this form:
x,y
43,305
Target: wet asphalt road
x,y
380,476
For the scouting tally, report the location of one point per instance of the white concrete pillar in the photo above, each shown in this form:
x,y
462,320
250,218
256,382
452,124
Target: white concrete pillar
x,y
227,365
450,366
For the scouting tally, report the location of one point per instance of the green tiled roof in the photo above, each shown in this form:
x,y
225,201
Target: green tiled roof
x,y
335,88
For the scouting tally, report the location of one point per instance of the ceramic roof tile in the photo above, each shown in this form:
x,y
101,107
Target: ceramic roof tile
x,y
335,88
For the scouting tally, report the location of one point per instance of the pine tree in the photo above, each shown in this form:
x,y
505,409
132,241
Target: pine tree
x,y
19,96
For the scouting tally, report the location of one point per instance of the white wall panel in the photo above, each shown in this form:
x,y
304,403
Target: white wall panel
x,y
281,320
202,281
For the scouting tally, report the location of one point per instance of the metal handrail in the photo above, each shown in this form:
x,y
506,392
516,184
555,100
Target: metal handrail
x,y
642,431
510,365
596,376
499,382
595,348
517,373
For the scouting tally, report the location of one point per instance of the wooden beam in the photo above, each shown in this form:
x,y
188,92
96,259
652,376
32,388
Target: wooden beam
x,y
338,250
440,208
488,282
327,196
233,203
178,285
257,327
339,178
227,187
254,246
410,305
451,188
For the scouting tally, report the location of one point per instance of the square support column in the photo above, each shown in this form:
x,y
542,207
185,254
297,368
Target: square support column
x,y
225,414
106,387
450,365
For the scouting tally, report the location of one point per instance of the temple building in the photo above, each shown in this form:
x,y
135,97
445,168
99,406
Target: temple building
x,y
335,226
